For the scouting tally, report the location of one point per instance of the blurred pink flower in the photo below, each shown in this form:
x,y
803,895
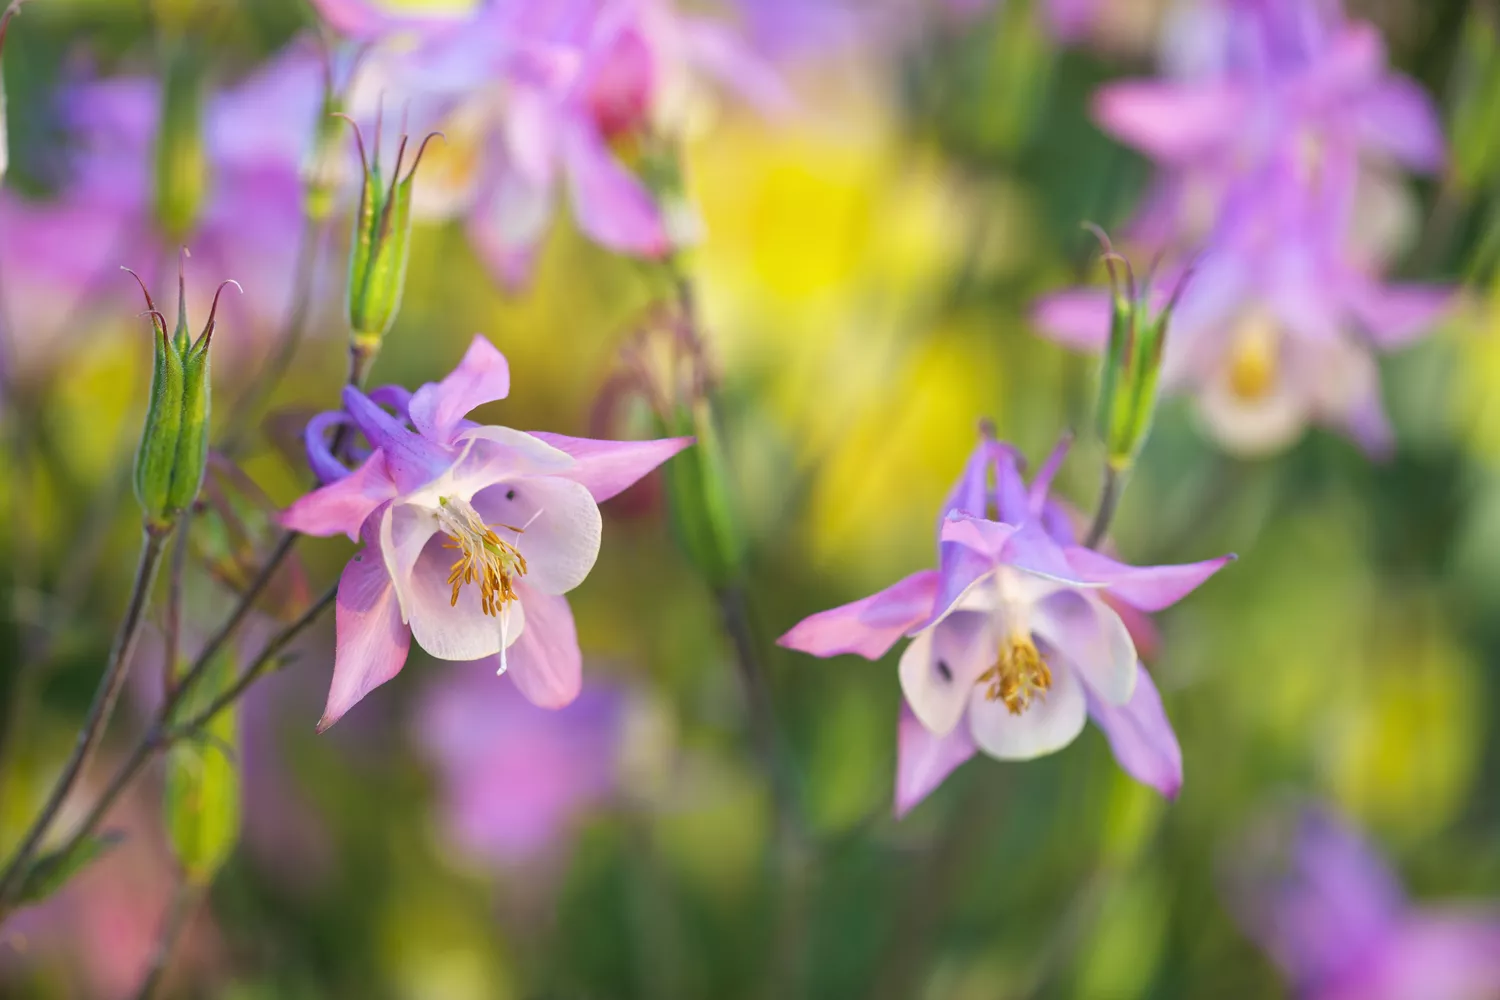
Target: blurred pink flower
x,y
536,92
472,534
1013,646
514,777
1333,917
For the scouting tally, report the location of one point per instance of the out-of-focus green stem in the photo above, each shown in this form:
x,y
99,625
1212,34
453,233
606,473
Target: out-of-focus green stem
x,y
1109,499
184,902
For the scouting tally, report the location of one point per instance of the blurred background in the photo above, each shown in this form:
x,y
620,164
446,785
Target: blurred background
x,y
867,260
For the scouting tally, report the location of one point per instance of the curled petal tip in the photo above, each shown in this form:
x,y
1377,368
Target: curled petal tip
x,y
987,429
325,723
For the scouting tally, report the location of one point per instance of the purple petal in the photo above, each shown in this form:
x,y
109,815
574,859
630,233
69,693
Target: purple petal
x,y
717,50
1010,487
411,459
612,205
1141,736
988,538
1149,588
608,468
438,408
1078,318
1036,499
1396,315
341,507
867,627
1399,118
508,222
971,494
372,642
1448,954
1168,122
924,761
320,457
1087,634
545,661
1031,548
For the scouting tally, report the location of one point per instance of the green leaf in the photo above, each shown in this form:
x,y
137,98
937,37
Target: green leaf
x,y
51,872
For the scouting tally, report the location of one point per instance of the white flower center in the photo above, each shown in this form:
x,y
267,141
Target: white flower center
x,y
484,557
1020,673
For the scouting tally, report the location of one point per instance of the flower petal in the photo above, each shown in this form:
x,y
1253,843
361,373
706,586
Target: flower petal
x,y
545,661
411,459
1170,122
372,641
1036,497
971,493
1010,487
1398,117
942,664
608,468
1141,737
868,627
559,524
923,760
612,205
1453,954
481,377
1149,588
1077,318
1086,632
1397,315
342,506
1051,723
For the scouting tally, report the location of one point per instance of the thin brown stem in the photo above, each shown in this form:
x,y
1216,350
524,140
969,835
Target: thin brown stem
x,y
184,901
172,620
105,697
1109,500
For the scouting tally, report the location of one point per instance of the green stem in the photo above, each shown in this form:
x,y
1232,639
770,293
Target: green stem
x,y
105,697
184,902
1109,500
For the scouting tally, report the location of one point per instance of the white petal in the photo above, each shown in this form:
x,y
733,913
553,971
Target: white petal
x,y
1051,723
448,630
405,531
1087,633
560,528
941,665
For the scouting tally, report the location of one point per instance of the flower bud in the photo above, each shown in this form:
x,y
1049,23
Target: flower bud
x,y
381,246
201,796
173,454
10,12
1132,362
1476,102
181,162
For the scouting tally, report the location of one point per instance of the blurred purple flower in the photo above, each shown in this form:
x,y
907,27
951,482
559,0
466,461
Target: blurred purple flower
x,y
1332,915
1280,324
430,504
515,777
534,94
1013,645
63,254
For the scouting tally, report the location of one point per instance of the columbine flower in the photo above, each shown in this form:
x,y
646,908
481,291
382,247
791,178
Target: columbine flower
x,y
1332,915
1013,644
1280,325
472,534
1261,83
515,777
538,95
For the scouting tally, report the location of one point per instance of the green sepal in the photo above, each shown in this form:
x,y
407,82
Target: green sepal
x,y
202,796
701,495
377,277
157,456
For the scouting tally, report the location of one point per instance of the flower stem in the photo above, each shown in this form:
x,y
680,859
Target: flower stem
x,y
1109,499
105,697
184,902
163,733
172,640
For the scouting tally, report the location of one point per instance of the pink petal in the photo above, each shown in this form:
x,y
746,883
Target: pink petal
x,y
481,377
419,565
508,222
545,662
1051,723
342,506
1141,737
372,642
1399,118
924,761
1396,315
942,665
411,459
1449,954
608,468
1078,318
612,205
867,627
1149,588
1170,122
983,536
717,50
1085,632
1031,548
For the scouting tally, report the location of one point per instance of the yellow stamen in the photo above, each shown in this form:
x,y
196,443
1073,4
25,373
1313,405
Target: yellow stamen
x,y
484,557
1253,361
1019,675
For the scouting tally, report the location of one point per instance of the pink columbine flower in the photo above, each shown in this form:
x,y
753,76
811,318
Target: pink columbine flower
x,y
1331,914
472,534
1013,644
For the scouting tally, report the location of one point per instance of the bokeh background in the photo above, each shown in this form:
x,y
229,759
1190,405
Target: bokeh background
x,y
868,265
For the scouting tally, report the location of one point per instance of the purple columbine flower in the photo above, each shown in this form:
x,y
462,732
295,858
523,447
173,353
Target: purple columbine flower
x,y
61,254
1013,644
534,95
1332,916
514,777
472,534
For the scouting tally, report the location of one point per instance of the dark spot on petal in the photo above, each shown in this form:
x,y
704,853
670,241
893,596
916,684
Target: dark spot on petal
x,y
510,494
943,671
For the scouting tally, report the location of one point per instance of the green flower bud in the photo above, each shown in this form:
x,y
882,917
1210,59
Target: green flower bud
x,y
381,245
1476,102
1132,362
173,454
181,161
202,793
10,12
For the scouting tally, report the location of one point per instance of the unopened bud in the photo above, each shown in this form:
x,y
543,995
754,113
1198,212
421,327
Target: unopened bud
x,y
201,794
181,161
1132,361
10,12
381,246
173,454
